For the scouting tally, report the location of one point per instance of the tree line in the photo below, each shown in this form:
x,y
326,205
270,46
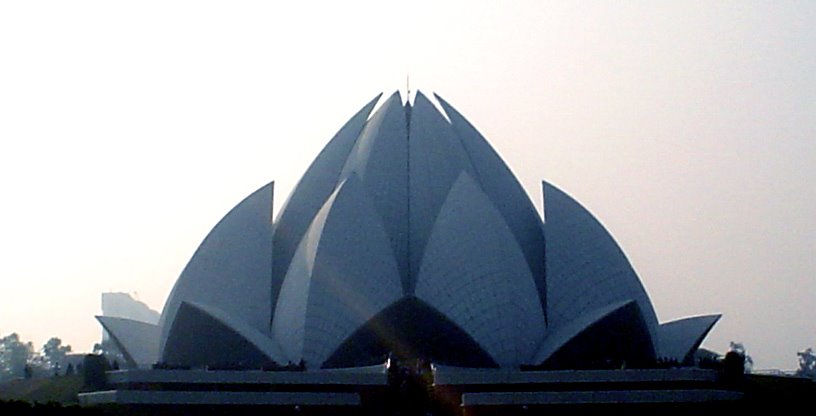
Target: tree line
x,y
19,359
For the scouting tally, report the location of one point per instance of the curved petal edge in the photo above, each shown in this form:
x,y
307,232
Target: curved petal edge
x,y
680,339
586,269
138,341
227,340
231,268
311,192
615,334
506,193
474,272
344,273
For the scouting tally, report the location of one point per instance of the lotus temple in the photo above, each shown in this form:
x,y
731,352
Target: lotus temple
x,y
408,240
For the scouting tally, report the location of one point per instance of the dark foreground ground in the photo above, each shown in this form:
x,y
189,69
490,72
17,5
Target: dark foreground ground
x,y
57,396
62,390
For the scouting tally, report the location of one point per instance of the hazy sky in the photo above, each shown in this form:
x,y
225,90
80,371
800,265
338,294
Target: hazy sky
x,y
128,129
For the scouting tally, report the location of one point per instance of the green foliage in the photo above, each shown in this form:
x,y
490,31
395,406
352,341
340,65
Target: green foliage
x,y
109,349
43,390
54,353
14,357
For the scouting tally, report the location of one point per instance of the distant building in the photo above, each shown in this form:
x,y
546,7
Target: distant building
x,y
74,360
122,305
130,327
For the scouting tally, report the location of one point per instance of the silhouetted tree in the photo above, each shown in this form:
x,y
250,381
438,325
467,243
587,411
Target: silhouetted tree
x,y
733,366
738,348
54,353
807,364
109,349
14,356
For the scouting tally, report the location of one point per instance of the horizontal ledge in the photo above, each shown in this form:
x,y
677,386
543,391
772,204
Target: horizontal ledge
x,y
451,376
598,397
365,377
140,397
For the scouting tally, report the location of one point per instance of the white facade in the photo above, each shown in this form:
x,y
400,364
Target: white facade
x,y
408,209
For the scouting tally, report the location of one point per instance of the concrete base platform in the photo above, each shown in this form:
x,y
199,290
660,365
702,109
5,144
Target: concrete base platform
x,y
219,398
539,398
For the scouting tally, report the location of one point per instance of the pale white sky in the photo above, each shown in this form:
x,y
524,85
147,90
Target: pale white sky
x,y
128,129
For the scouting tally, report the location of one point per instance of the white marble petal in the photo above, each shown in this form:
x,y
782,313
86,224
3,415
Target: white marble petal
x,y
474,273
231,269
679,339
586,269
343,273
137,340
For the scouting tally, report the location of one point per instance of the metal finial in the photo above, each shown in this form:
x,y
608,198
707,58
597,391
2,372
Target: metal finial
x,y
407,87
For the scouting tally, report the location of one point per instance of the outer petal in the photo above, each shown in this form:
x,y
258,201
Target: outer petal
x,y
311,192
615,334
343,273
506,193
436,157
475,273
586,270
680,339
380,160
203,335
231,268
138,341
